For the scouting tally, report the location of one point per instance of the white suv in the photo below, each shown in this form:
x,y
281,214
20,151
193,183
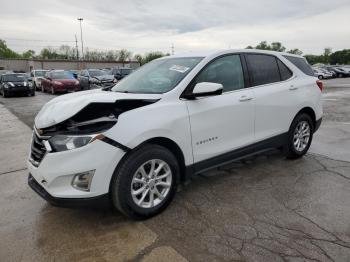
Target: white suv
x,y
170,119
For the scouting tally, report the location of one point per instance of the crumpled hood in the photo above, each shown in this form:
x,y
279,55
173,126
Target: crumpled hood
x,y
63,107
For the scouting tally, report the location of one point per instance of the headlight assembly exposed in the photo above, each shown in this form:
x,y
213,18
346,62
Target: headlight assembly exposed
x,y
62,142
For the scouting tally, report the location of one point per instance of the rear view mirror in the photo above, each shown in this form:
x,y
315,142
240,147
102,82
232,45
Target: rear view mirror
x,y
207,89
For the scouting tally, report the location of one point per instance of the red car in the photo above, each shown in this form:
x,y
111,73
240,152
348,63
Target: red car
x,y
59,81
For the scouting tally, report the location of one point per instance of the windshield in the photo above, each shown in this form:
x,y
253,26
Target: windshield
x,y
62,75
158,76
40,73
14,78
94,73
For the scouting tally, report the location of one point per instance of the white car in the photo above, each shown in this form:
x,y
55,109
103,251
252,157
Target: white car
x,y
172,118
320,74
37,76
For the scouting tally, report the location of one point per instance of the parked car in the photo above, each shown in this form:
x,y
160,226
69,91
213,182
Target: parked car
x,y
338,71
320,74
37,76
59,81
3,72
172,118
332,73
16,83
95,78
75,73
120,73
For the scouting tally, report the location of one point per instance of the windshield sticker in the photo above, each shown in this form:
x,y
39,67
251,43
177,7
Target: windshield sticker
x,y
179,68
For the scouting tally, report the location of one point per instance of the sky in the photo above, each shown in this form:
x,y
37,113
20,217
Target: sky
x,y
191,25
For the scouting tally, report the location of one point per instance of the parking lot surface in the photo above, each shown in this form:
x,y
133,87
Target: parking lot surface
x,y
264,208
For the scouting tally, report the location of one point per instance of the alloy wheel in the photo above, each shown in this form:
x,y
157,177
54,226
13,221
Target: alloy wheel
x,y
301,136
151,183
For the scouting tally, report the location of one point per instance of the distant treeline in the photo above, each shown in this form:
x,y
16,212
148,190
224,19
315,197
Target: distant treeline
x,y
123,55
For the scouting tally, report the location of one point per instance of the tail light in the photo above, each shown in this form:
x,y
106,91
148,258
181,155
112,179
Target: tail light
x,y
319,84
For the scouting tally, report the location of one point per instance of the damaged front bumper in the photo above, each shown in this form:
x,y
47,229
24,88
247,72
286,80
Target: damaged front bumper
x,y
56,171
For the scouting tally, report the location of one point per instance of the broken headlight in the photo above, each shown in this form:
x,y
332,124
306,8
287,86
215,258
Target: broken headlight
x,y
62,142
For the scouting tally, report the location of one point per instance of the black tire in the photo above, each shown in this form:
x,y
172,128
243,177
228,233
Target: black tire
x,y
4,94
320,77
291,151
42,88
340,75
34,86
120,188
33,93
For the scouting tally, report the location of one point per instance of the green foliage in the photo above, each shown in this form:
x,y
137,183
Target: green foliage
x,y
340,57
6,52
149,57
295,51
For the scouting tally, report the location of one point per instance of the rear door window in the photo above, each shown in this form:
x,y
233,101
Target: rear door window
x,y
263,69
300,63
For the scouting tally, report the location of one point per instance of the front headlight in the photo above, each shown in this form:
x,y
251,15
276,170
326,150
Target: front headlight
x,y
63,143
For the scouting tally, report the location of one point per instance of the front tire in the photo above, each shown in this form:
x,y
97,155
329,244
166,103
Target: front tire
x,y
299,136
145,182
320,77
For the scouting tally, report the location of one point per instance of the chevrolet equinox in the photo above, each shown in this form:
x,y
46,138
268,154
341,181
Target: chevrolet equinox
x,y
172,118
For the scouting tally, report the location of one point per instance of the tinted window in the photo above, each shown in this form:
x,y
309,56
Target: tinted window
x,y
263,69
284,70
301,63
226,70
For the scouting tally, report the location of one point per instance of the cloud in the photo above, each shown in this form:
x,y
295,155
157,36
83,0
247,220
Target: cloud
x,y
190,24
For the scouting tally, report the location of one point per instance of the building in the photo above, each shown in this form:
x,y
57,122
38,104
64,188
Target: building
x,y
26,65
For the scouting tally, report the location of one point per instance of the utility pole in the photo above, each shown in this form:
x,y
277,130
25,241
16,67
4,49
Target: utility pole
x,y
81,36
172,49
76,46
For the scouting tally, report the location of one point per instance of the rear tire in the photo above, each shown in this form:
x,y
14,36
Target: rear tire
x,y
137,190
299,136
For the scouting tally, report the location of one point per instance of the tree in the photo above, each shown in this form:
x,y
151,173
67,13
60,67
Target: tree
x,y
124,55
340,57
277,46
151,56
138,58
263,45
249,47
6,52
295,51
28,54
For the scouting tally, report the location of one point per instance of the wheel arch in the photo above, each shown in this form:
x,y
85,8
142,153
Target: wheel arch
x,y
174,148
169,144
309,111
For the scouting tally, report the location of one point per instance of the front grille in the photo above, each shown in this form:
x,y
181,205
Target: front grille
x,y
38,149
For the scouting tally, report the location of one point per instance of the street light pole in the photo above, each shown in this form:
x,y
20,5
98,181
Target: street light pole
x,y
81,36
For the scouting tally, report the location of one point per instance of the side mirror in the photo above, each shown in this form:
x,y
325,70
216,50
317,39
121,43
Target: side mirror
x,y
206,89
30,79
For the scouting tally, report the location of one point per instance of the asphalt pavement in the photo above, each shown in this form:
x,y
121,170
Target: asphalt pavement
x,y
264,208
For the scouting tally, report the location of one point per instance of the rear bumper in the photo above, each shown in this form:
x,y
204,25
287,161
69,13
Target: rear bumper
x,y
66,202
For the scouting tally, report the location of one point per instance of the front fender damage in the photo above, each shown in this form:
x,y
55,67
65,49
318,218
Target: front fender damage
x,y
95,117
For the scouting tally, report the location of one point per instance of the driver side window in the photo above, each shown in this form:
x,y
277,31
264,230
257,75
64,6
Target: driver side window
x,y
226,70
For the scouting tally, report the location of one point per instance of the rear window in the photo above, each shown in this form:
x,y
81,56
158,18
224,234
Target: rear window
x,y
300,63
263,69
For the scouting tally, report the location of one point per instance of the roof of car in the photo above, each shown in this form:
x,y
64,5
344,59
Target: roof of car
x,y
224,51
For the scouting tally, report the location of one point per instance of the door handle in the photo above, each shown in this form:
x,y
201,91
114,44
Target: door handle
x,y
245,98
292,88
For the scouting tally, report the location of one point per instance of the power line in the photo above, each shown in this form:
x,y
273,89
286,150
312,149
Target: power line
x,y
36,40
